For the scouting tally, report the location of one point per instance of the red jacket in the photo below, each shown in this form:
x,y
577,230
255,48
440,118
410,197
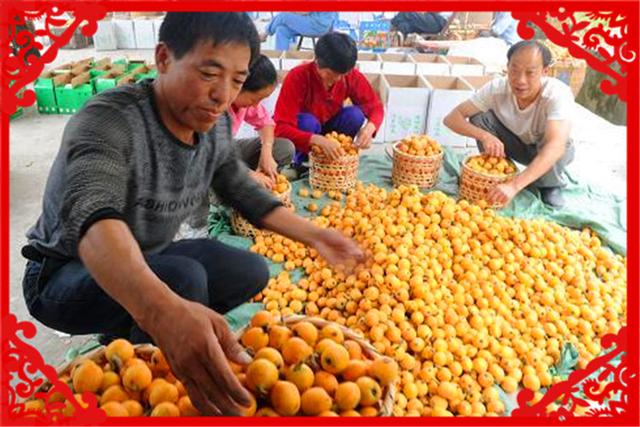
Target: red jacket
x,y
303,92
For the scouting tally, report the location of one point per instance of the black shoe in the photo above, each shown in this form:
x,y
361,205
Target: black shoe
x,y
552,196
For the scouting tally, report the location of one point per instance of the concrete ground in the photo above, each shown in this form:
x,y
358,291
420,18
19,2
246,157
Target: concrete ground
x,y
35,138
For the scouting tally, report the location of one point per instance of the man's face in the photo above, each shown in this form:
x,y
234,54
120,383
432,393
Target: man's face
x,y
329,77
525,71
201,85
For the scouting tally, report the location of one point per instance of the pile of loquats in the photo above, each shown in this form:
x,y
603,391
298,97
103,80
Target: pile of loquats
x,y
461,298
299,368
498,166
282,185
126,382
347,146
419,145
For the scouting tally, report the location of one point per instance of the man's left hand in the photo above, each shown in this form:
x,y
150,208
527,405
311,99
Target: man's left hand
x,y
503,193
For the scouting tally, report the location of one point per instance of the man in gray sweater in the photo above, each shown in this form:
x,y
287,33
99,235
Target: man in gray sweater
x,y
134,163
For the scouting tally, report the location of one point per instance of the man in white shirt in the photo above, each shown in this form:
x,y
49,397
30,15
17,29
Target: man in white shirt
x,y
525,116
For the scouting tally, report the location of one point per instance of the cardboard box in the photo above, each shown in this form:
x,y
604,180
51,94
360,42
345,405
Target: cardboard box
x,y
369,62
397,64
432,65
406,99
125,35
144,34
375,80
293,58
374,35
465,66
275,56
105,36
476,82
447,93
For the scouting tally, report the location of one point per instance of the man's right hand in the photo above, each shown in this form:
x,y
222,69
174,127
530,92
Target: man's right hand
x,y
197,343
330,148
492,145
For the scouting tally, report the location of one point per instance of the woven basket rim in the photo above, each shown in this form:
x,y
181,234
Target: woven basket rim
x,y
433,156
486,175
344,159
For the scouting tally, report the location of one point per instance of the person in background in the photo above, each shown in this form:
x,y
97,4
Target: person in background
x,y
313,95
525,116
288,26
420,22
503,27
264,155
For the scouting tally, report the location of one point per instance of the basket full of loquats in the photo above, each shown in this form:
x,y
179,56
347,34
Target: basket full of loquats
x,y
336,175
281,190
481,173
126,380
416,161
308,366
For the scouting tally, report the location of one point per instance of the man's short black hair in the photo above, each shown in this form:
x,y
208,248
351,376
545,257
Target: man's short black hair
x,y
262,74
337,52
181,31
547,58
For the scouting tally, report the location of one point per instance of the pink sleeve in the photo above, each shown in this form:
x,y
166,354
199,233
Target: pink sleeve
x,y
258,117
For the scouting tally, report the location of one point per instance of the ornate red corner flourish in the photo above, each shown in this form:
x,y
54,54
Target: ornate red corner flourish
x,y
20,66
24,371
605,384
603,39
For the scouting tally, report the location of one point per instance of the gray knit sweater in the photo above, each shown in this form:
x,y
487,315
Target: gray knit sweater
x,y
118,160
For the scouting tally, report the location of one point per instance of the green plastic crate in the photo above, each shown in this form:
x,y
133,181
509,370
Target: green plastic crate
x,y
46,96
71,99
95,75
150,75
104,84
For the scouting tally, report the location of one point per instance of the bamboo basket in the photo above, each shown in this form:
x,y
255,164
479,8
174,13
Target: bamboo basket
x,y
339,175
475,185
385,406
242,227
415,170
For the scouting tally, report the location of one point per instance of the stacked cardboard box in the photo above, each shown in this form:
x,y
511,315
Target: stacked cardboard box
x,y
448,92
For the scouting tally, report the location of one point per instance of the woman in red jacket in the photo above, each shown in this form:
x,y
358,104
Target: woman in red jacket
x,y
311,102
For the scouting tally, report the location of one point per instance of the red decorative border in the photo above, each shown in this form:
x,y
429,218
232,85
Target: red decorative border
x,y
21,69
613,400
562,24
24,371
607,34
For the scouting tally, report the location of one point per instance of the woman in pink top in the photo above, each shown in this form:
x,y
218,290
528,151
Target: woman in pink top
x,y
265,154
